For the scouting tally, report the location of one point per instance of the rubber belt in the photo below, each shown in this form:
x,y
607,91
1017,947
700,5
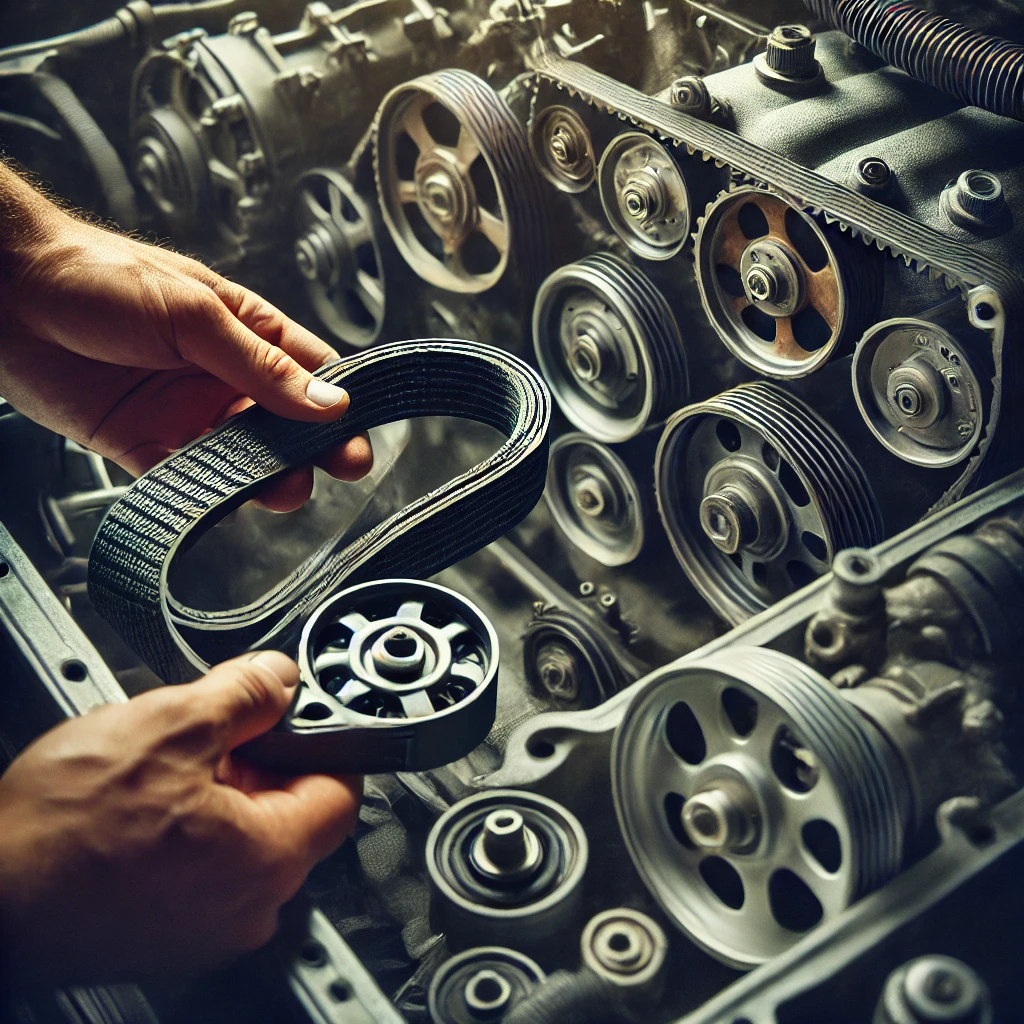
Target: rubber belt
x,y
171,506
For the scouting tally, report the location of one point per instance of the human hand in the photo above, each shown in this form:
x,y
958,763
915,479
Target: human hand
x,y
133,843
133,350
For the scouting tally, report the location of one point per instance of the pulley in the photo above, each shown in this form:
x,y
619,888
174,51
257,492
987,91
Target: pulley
x,y
481,985
402,668
782,291
507,866
757,493
917,391
644,196
562,147
337,255
755,801
609,347
594,499
458,188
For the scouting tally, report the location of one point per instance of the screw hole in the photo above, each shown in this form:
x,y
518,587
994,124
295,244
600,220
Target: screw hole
x,y
313,953
340,992
984,311
4,569
74,670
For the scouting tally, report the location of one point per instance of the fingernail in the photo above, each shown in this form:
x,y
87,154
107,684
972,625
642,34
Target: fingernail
x,y
280,664
319,392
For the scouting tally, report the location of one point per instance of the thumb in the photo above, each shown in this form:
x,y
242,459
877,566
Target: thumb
x,y
246,696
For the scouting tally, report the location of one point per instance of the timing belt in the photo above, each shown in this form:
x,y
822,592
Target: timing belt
x,y
169,508
916,244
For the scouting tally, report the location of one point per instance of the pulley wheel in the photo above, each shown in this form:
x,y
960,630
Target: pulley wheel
x,y
782,291
918,393
755,802
563,149
337,255
595,500
458,188
609,348
401,666
644,196
757,493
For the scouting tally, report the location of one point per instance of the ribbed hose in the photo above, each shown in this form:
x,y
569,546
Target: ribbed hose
x,y
135,21
984,71
581,998
107,31
118,194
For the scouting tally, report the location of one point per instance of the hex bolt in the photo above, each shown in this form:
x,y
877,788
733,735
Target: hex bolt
x,y
980,194
790,52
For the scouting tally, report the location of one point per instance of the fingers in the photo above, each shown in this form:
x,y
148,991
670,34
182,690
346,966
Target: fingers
x,y
261,370
350,460
287,492
269,323
318,812
245,696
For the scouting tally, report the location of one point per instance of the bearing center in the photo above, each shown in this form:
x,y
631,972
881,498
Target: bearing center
x,y
506,849
643,195
399,653
486,994
443,195
740,514
722,818
771,278
916,392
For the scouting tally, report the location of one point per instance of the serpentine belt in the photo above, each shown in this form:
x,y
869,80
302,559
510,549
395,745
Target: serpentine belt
x,y
176,502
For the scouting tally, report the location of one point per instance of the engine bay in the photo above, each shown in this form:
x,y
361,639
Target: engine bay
x,y
674,628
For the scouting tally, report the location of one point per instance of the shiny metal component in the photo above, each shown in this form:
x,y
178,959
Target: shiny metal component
x,y
530,894
338,256
774,286
626,948
506,849
757,494
563,150
429,177
644,196
917,391
404,654
934,990
755,802
594,499
609,347
481,984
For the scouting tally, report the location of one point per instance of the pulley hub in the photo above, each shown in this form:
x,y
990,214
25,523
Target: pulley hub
x,y
444,195
723,817
771,278
643,195
917,393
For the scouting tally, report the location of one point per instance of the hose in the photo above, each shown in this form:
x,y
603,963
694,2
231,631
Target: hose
x,y
137,21
564,998
982,70
118,194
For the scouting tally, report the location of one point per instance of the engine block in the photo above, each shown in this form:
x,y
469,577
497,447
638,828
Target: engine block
x,y
739,693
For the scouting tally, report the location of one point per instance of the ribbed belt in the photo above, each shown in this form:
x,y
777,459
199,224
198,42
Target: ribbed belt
x,y
170,507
